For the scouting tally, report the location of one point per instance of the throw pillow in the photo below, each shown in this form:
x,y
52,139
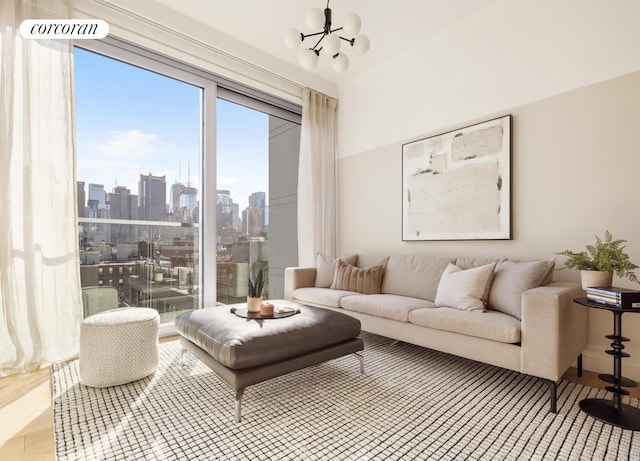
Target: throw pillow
x,y
514,277
466,290
326,268
367,280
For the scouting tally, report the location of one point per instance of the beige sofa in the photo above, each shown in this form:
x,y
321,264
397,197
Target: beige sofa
x,y
530,324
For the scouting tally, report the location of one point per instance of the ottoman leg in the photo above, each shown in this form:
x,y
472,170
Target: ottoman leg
x,y
361,359
239,394
183,352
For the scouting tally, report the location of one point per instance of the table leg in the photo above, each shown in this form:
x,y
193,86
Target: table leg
x,y
614,411
361,359
239,394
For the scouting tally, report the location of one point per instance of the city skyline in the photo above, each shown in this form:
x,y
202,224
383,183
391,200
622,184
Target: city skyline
x,y
130,121
84,188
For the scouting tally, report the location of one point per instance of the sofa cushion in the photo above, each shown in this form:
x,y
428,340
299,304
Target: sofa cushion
x,y
371,260
466,290
326,268
512,278
468,263
414,276
321,296
491,325
386,306
366,280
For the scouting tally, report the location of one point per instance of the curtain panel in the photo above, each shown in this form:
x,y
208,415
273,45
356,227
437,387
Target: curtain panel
x,y
40,295
317,195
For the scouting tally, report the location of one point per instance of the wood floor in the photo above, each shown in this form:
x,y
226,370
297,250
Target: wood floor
x,y
26,415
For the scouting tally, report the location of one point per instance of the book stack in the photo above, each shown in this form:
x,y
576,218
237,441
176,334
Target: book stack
x,y
614,296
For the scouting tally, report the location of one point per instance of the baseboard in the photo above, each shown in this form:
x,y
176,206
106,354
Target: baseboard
x,y
594,359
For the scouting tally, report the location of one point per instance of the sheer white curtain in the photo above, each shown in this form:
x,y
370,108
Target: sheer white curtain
x,y
317,225
40,295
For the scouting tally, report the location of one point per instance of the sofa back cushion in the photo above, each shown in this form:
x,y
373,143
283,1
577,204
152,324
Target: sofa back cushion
x,y
417,276
326,268
370,260
514,277
350,278
469,262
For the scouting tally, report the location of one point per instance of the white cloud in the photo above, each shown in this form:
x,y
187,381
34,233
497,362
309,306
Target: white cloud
x,y
130,144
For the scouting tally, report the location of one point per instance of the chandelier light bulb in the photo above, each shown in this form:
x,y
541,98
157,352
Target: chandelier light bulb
x,y
293,39
315,19
361,44
340,63
308,59
351,24
331,44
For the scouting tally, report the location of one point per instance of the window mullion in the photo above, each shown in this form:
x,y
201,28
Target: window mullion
x,y
208,278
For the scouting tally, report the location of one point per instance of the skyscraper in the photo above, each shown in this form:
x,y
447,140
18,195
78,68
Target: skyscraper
x,y
258,200
119,203
189,202
252,222
174,197
152,195
224,212
120,206
257,214
82,199
97,193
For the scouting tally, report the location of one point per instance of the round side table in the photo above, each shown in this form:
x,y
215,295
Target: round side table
x,y
613,411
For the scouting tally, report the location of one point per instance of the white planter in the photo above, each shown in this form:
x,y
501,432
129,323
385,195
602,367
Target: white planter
x,y
253,304
596,279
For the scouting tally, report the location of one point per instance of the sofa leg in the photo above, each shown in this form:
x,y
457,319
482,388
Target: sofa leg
x,y
553,396
580,366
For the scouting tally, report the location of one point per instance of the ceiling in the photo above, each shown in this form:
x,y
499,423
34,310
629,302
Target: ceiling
x,y
392,27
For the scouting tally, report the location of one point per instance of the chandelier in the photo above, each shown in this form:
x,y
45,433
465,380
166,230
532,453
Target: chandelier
x,y
330,40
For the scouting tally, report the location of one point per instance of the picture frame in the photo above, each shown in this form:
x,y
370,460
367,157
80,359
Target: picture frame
x,y
457,185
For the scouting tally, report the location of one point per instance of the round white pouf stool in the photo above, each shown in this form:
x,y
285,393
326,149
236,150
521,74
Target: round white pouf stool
x,y
118,346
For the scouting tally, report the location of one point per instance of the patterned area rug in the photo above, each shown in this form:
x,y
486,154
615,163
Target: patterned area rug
x,y
412,403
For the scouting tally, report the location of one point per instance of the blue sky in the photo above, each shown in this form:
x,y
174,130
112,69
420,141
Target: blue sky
x,y
130,121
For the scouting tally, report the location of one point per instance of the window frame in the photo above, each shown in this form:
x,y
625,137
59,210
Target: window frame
x,y
213,87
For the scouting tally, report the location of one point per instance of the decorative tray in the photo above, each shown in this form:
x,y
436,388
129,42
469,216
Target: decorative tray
x,y
278,313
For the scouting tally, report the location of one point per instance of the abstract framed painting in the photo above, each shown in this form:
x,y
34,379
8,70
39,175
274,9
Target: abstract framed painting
x,y
457,185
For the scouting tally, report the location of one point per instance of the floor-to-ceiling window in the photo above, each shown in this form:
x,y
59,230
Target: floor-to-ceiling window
x,y
177,177
139,186
256,189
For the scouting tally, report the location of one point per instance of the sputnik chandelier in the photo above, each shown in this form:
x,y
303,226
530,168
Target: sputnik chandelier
x,y
330,40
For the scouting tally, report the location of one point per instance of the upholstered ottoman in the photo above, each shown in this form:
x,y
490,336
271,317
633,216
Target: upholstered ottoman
x,y
118,346
245,351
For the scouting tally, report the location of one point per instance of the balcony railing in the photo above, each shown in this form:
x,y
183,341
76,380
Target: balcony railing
x,y
150,263
157,264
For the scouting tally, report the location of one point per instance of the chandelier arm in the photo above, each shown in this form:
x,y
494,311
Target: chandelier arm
x,y
336,29
311,35
350,40
318,42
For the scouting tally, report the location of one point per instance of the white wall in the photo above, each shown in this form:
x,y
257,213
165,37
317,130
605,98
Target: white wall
x,y
508,54
568,72
160,29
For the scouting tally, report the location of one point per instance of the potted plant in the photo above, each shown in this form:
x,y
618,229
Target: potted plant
x,y
256,284
600,261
